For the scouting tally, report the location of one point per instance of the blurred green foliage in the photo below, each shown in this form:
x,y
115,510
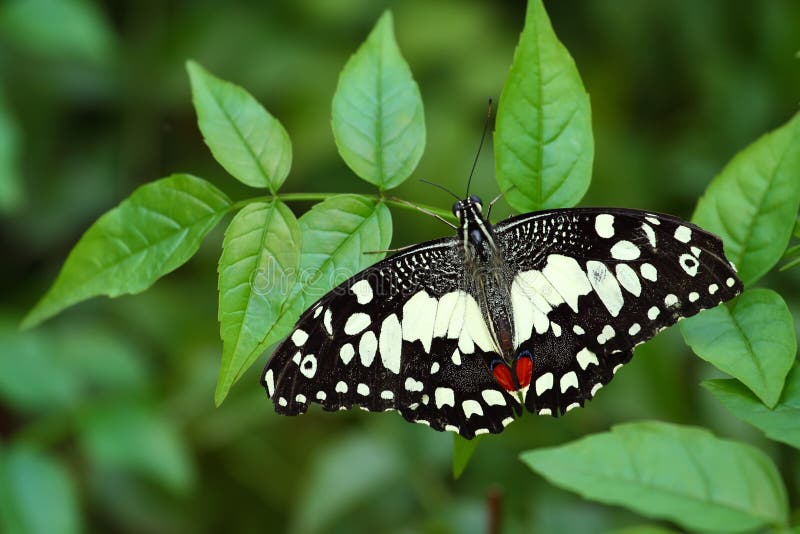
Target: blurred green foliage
x,y
107,416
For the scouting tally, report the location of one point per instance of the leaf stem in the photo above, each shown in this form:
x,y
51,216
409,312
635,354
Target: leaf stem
x,y
311,197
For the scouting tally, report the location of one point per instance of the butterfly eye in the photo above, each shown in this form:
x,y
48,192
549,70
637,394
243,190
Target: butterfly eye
x,y
457,209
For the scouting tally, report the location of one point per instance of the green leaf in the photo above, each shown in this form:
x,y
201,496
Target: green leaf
x,y
257,272
10,179
337,234
752,204
752,339
152,232
781,423
243,137
660,470
58,28
137,439
36,494
543,142
378,120
463,449
343,476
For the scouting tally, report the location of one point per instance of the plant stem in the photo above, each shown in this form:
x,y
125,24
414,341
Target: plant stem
x,y
310,197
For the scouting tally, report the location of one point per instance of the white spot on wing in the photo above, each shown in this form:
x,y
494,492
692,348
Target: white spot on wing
x,y
605,285
456,357
327,321
346,353
648,272
689,264
300,398
363,390
413,385
492,397
713,289
321,395
299,337
606,334
651,235
543,383
444,396
693,296
567,277
670,300
367,347
604,225
571,407
309,366
578,330
471,407
596,388
356,323
269,378
653,220
628,279
568,380
417,314
729,282
387,395
434,368
652,313
634,329
545,411
585,357
624,250
363,291
683,234
391,343
341,387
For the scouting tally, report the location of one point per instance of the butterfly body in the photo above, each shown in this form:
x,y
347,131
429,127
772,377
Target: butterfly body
x,y
538,311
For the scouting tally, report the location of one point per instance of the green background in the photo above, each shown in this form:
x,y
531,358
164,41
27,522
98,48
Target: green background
x,y
94,101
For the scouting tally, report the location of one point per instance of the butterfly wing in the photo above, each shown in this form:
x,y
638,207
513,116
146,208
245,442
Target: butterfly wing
x,y
591,284
401,335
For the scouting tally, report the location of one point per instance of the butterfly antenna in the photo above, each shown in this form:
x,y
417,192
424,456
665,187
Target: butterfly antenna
x,y
483,136
443,188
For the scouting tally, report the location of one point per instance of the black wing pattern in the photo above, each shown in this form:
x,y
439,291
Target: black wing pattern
x,y
591,284
401,335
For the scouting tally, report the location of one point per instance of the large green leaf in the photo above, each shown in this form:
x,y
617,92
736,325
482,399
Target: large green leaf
x,y
781,423
36,494
683,474
135,438
753,202
257,273
751,339
378,120
543,143
152,232
245,139
337,234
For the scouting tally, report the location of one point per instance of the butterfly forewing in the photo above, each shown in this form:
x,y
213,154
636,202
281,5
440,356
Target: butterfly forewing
x,y
591,284
401,335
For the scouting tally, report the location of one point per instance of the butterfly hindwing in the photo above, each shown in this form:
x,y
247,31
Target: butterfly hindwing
x,y
591,284
401,335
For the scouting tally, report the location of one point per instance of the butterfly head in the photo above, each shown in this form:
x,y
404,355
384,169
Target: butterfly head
x,y
468,209
473,227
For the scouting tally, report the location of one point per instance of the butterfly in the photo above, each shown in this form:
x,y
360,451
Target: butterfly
x,y
537,312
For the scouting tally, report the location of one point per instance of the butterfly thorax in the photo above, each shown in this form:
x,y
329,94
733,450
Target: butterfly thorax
x,y
487,274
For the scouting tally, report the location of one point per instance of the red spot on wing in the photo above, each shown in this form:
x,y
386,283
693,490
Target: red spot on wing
x,y
502,373
523,368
